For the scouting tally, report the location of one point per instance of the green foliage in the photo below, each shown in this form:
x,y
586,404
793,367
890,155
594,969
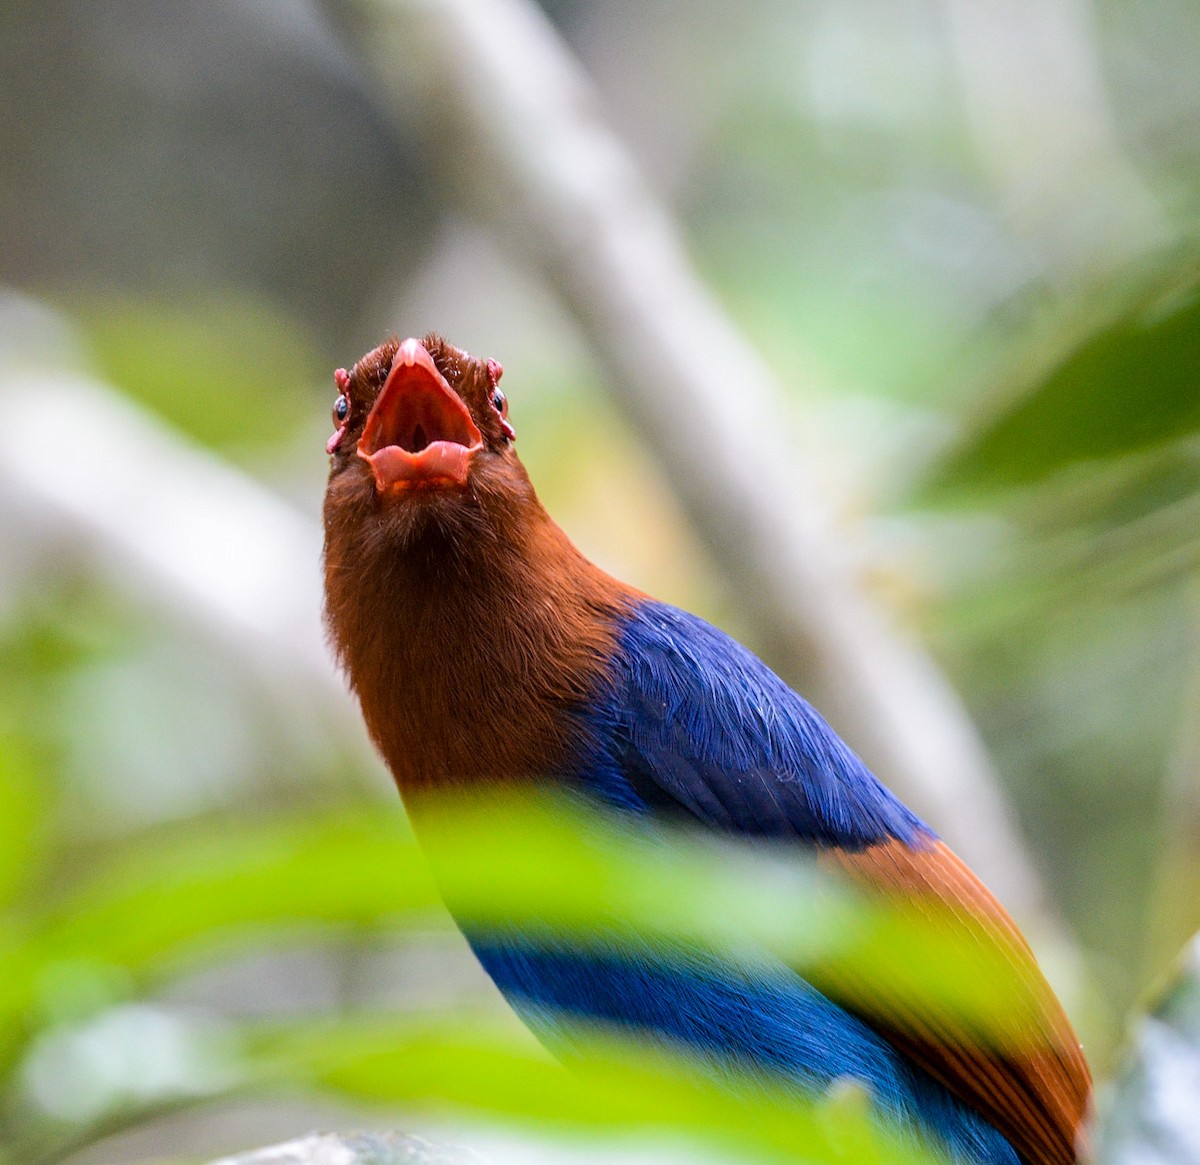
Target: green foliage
x,y
202,893
175,900
1067,622
542,865
1127,382
614,1084
22,815
226,368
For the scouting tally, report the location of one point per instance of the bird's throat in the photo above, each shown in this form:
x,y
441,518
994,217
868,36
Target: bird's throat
x,y
470,658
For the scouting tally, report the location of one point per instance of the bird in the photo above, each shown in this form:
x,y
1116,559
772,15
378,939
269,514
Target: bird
x,y
485,650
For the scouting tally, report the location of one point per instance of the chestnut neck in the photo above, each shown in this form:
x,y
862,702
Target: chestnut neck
x,y
471,652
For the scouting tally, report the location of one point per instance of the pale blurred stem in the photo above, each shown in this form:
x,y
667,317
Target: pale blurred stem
x,y
526,147
187,536
1036,106
51,1148
1179,860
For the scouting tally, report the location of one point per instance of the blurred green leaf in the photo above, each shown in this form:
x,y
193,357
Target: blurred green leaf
x,y
22,814
228,369
207,891
153,902
1128,382
531,863
543,862
542,865
614,1084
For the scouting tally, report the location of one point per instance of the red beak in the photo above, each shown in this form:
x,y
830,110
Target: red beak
x,y
419,433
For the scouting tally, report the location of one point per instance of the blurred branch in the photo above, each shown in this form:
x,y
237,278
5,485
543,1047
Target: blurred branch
x,y
1176,908
528,149
158,517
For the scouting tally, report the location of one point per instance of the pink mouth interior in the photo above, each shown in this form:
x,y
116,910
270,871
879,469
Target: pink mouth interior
x,y
419,432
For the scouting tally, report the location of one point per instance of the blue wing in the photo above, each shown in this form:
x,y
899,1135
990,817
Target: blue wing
x,y
736,1022
693,721
690,723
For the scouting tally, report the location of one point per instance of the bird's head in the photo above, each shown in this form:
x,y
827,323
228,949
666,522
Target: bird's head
x,y
422,445
448,588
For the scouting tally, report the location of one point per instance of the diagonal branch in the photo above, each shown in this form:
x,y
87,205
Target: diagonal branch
x,y
170,524
527,148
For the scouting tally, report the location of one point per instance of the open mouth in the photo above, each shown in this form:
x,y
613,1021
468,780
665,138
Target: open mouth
x,y
419,433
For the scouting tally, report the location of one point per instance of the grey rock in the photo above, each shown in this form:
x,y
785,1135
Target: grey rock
x,y
355,1149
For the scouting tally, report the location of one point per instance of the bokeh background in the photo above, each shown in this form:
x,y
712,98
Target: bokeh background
x,y
963,236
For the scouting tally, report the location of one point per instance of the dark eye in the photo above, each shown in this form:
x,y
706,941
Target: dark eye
x,y
341,408
500,402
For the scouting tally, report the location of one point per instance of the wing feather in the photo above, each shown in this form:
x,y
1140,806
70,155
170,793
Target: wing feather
x,y
697,725
1036,1087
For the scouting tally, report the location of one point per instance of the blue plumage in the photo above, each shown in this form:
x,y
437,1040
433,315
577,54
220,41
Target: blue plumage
x,y
691,723
737,1023
692,720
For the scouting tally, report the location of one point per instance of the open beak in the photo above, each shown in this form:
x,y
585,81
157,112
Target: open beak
x,y
419,433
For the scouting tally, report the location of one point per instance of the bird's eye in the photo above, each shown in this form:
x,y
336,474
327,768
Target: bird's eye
x,y
500,402
341,409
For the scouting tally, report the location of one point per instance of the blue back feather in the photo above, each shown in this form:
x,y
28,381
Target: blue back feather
x,y
692,723
737,1022
692,720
